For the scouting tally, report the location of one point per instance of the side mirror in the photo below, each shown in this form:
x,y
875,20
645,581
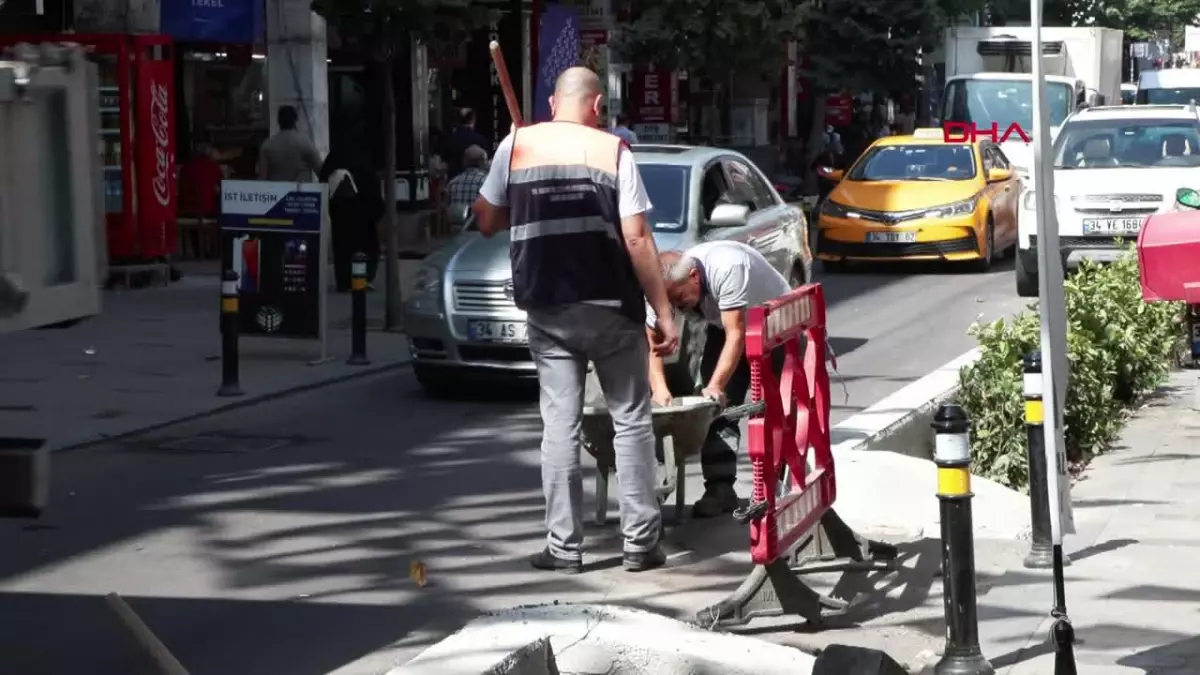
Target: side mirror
x,y
830,173
729,215
1188,197
998,175
463,214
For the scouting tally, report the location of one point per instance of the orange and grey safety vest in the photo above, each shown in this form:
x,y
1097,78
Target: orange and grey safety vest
x,y
563,198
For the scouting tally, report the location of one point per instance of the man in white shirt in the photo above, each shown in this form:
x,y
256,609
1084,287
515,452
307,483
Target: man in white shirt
x,y
719,280
622,130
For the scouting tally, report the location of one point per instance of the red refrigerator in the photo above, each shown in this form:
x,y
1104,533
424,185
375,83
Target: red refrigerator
x,y
137,139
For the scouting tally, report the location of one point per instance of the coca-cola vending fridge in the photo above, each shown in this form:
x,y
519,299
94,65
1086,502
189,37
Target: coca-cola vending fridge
x,y
136,102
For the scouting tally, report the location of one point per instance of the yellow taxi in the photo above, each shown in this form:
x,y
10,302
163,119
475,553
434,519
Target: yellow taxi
x,y
920,197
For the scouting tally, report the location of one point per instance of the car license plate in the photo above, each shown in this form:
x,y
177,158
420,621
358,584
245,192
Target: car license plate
x,y
891,237
1112,225
497,331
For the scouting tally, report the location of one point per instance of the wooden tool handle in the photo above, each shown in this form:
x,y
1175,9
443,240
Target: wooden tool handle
x,y
510,96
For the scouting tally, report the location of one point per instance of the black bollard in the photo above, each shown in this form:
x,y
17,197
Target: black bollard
x,y
952,454
1064,643
1041,551
358,311
229,335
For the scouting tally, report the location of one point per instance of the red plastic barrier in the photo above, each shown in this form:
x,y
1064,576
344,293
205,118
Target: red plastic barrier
x,y
1169,257
793,430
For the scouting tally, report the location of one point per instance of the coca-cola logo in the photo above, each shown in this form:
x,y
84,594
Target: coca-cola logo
x,y
160,126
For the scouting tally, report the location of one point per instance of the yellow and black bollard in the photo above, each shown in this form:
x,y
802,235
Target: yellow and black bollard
x,y
229,335
952,454
358,311
1041,554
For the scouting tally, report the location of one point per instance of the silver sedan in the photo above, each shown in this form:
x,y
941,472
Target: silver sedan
x,y
459,313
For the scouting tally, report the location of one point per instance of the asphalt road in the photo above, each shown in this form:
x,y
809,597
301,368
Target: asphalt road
x,y
279,538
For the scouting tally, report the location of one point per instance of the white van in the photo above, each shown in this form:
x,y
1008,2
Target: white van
x,y
1173,86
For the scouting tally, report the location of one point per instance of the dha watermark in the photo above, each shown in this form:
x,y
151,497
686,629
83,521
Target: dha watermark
x,y
969,132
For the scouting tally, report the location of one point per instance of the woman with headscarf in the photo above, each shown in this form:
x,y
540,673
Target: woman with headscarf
x,y
355,207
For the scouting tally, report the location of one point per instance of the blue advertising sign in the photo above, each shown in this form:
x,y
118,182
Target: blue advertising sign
x,y
224,21
273,237
558,49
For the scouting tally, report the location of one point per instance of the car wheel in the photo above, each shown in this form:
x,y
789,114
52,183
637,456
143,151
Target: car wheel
x,y
439,382
1026,273
989,254
798,276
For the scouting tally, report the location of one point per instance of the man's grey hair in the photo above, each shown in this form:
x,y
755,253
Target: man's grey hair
x,y
677,268
475,156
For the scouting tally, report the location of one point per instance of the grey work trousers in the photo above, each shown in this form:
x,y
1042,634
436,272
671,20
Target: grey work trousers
x,y
562,341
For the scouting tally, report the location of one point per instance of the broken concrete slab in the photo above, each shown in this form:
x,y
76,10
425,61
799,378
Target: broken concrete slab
x,y
602,640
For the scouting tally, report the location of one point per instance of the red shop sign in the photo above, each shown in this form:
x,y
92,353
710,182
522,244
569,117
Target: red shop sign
x,y
651,96
839,108
156,162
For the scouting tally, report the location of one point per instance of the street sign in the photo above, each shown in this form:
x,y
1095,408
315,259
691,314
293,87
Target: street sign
x,y
274,235
1051,301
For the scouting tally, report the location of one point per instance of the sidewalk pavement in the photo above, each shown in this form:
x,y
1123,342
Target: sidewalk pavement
x,y
152,356
1132,587
1137,511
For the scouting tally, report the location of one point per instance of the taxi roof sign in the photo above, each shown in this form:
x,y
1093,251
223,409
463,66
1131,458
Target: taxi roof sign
x,y
929,134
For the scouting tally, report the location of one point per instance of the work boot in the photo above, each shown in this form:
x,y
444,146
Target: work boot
x,y
547,561
718,499
642,561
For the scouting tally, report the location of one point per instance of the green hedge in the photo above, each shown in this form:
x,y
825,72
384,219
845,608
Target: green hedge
x,y
1119,348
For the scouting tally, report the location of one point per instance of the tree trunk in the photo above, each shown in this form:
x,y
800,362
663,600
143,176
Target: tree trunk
x,y
391,222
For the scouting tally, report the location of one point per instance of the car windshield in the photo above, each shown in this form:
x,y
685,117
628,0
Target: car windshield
x,y
667,187
1181,96
1127,143
915,162
1003,102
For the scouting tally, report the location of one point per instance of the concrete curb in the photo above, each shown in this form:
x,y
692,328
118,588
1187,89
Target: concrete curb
x,y
886,450
246,401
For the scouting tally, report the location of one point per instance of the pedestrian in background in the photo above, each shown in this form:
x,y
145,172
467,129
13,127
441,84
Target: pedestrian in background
x,y
623,131
355,207
289,155
463,189
460,139
584,265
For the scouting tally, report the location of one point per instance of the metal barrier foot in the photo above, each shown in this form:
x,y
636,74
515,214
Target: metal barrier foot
x,y
775,589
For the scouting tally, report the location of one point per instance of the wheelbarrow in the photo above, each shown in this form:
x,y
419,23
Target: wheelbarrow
x,y
679,433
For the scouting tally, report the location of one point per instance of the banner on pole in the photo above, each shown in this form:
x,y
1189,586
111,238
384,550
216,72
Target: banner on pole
x,y
558,49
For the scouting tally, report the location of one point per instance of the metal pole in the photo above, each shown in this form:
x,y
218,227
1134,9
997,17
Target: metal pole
x,y
229,335
1041,552
952,454
358,311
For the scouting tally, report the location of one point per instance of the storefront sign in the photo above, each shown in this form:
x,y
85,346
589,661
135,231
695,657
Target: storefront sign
x,y
653,133
273,235
839,109
156,192
650,99
226,21
558,49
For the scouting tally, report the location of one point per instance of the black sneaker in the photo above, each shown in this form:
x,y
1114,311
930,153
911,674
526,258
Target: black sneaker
x,y
545,560
643,561
718,499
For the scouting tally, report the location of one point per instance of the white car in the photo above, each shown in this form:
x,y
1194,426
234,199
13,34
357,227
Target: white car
x,y
1113,167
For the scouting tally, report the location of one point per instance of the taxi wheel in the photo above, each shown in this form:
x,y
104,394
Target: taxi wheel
x,y
989,241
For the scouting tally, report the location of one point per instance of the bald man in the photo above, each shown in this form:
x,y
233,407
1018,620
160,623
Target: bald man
x,y
584,265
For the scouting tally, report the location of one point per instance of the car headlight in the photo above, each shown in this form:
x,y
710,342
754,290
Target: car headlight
x,y
428,280
964,208
832,208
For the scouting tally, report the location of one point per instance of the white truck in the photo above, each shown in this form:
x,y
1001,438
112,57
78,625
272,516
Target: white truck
x,y
989,78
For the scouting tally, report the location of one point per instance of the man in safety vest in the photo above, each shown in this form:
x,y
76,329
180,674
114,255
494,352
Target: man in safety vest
x,y
584,264
719,280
